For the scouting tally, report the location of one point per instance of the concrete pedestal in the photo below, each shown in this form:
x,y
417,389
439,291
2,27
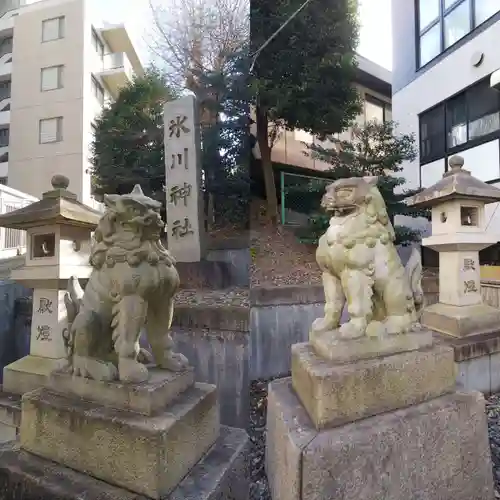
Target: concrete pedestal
x,y
460,321
437,449
390,427
221,474
29,373
145,438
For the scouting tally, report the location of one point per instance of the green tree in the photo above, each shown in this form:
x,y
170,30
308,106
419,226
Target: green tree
x,y
303,78
127,148
128,145
375,150
225,139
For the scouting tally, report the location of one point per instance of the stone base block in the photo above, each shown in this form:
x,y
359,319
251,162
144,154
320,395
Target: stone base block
x,y
147,398
221,474
435,450
29,373
10,409
461,321
7,433
334,394
347,351
10,416
147,455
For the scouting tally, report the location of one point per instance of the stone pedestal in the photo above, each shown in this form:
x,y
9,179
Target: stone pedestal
x,y
47,351
146,438
460,321
385,427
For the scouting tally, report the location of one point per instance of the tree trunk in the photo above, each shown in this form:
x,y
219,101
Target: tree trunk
x,y
267,166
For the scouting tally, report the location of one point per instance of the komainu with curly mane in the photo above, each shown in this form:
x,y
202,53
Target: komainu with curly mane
x,y
132,285
360,265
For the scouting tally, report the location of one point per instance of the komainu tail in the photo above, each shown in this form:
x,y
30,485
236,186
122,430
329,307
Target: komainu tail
x,y
72,301
414,275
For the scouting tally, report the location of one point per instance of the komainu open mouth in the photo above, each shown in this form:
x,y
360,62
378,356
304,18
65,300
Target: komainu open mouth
x,y
343,211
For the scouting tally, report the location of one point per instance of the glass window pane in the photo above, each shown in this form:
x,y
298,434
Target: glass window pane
x,y
485,9
432,134
388,113
50,130
430,45
428,11
456,24
449,3
484,110
374,110
456,121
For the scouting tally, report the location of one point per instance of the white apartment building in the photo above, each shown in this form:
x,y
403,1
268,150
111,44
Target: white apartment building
x,y
58,66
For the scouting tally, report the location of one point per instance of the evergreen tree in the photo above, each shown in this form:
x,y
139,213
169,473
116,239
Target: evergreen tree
x,y
303,78
127,148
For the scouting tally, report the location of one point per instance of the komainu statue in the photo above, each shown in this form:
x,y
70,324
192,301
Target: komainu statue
x,y
132,285
360,264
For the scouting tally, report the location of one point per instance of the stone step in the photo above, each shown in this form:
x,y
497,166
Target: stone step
x,y
147,455
147,398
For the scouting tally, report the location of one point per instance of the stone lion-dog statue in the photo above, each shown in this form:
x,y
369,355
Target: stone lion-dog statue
x,y
360,265
132,285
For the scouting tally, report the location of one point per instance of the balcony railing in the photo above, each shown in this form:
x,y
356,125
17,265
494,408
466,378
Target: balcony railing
x,y
116,71
12,241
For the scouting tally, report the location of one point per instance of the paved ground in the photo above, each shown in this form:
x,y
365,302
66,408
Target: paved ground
x,y
258,401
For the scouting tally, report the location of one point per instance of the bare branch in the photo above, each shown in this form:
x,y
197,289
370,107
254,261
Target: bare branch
x,y
193,36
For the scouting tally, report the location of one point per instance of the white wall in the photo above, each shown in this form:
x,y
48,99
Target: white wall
x,y
449,76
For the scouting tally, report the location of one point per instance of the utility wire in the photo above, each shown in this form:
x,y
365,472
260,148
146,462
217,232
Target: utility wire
x,y
273,36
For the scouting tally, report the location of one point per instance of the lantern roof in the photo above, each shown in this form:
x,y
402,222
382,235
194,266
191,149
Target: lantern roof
x,y
57,206
457,183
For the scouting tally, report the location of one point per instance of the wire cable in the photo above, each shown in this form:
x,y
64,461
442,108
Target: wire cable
x,y
275,34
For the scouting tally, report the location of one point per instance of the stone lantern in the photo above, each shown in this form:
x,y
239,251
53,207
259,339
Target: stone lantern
x,y
459,232
58,237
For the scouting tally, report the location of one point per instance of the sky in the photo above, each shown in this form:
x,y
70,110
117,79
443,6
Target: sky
x,y
375,36
375,17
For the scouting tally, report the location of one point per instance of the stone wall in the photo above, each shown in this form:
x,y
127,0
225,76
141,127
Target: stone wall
x,y
215,340
279,318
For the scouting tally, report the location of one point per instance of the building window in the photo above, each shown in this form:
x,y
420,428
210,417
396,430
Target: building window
x,y
456,24
98,91
377,110
97,44
51,78
432,134
4,89
466,120
53,29
456,121
4,137
50,130
3,181
442,23
484,9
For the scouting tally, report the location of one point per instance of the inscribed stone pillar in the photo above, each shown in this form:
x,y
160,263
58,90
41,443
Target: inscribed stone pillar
x,y
49,321
185,219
